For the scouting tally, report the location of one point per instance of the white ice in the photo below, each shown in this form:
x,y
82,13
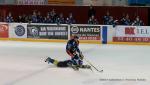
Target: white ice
x,y
22,63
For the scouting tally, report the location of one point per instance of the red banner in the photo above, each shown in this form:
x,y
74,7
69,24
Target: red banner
x,y
90,38
3,30
131,39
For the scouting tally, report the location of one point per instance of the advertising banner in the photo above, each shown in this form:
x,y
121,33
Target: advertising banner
x,y
132,34
17,30
3,30
86,32
47,31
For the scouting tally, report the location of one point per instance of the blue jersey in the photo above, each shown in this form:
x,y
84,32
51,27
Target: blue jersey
x,y
72,46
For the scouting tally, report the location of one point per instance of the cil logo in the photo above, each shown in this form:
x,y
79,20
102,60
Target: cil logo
x,y
130,30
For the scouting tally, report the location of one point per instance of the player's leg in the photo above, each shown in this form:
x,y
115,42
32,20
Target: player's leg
x,y
74,57
76,60
65,63
53,61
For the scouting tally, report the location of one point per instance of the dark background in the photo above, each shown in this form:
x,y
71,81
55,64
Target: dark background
x,y
79,12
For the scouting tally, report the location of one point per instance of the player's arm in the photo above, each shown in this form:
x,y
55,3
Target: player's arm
x,y
80,53
78,50
77,47
69,46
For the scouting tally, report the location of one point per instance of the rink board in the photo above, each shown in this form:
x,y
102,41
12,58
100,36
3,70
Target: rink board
x,y
95,34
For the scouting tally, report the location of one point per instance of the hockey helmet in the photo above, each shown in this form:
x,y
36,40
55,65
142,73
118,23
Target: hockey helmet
x,y
75,37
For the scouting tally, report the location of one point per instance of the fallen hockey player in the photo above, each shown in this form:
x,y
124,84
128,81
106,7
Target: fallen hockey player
x,y
72,49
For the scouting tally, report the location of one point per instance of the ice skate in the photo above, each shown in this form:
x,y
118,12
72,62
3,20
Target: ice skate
x,y
49,60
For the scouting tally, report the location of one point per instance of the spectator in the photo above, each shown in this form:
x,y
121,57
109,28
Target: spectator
x,y
106,18
138,22
24,18
20,19
9,18
34,17
112,21
70,19
60,19
125,20
48,19
39,17
122,19
53,15
28,19
91,11
92,20
95,21
67,21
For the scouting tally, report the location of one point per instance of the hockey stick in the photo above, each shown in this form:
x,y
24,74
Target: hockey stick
x,y
91,64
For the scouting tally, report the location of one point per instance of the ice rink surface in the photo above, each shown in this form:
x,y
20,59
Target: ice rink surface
x,y
22,63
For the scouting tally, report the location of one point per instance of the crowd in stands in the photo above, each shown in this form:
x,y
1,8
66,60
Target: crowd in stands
x,y
109,20
52,17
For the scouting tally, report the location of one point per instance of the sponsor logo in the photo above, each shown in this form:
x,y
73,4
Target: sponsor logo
x,y
34,31
89,29
19,30
86,32
3,28
77,29
130,30
45,31
74,29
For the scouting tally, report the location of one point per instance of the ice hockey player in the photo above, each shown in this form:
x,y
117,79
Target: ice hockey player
x,y
72,49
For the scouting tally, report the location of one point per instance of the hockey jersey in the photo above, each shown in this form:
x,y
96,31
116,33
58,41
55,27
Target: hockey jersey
x,y
72,46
